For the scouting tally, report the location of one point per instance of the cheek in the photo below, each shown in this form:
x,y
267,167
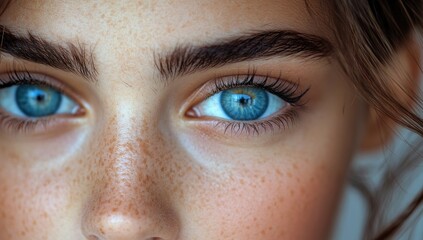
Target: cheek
x,y
37,187
29,202
287,190
264,202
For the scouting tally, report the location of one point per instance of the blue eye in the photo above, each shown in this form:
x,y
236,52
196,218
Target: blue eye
x,y
241,104
35,101
244,104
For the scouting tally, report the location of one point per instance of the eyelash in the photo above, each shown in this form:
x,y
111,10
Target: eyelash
x,y
17,124
287,91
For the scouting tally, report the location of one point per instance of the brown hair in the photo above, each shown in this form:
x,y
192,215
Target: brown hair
x,y
368,34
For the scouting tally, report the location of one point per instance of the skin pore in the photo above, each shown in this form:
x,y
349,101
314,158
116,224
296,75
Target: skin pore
x,y
138,162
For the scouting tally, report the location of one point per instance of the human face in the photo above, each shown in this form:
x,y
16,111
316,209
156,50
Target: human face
x,y
139,153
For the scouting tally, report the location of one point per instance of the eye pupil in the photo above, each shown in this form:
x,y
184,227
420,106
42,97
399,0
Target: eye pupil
x,y
40,97
244,104
245,100
36,101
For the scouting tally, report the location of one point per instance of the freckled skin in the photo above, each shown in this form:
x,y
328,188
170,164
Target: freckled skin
x,y
134,168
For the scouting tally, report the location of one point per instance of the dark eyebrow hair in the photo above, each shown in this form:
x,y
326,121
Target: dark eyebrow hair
x,y
260,45
182,60
68,57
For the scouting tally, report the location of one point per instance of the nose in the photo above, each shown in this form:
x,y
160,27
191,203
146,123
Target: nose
x,y
119,226
125,203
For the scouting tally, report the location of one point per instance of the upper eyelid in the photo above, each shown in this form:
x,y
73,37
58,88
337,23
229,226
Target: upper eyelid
x,y
25,77
6,79
208,85
274,85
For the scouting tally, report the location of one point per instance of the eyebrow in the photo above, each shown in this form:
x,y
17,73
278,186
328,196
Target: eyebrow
x,y
68,57
182,60
254,46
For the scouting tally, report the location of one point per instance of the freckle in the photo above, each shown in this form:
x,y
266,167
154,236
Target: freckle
x,y
289,174
302,190
278,171
47,182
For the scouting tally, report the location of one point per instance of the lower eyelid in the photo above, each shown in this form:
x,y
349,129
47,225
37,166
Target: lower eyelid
x,y
15,122
247,131
14,126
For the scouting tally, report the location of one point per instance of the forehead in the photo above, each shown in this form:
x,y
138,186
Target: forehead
x,y
187,17
125,35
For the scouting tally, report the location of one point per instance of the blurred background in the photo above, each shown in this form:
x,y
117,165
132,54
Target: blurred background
x,y
395,176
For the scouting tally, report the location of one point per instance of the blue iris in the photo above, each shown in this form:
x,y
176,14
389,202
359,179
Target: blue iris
x,y
244,104
37,101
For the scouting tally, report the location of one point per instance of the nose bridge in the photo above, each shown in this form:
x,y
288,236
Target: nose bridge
x,y
125,159
124,163
125,202
124,179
